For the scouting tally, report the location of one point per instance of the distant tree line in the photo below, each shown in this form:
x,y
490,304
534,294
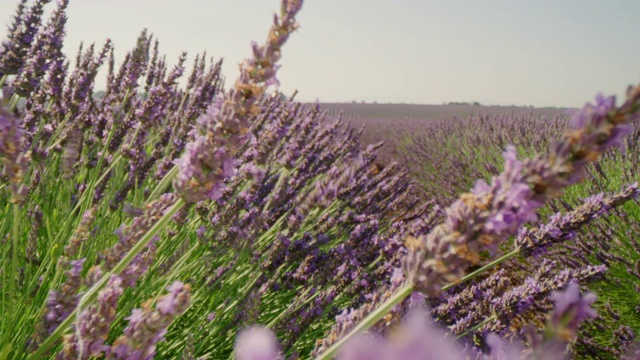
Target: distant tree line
x,y
475,103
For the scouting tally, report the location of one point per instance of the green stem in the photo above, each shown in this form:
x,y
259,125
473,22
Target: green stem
x,y
163,184
292,309
4,354
483,323
369,321
482,269
13,103
15,241
58,132
400,295
3,79
92,293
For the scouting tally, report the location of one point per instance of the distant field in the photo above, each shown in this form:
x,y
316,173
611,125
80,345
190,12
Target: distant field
x,y
359,112
388,123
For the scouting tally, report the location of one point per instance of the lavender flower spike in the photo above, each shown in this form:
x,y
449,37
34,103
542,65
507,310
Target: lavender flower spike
x,y
15,161
476,221
92,326
209,160
81,234
562,227
61,303
571,309
25,28
45,49
146,327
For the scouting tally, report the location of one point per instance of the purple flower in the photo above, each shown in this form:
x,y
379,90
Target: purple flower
x,y
147,327
257,343
572,308
61,303
209,160
203,169
130,234
518,205
24,29
476,221
417,338
92,325
14,159
167,305
43,52
364,347
81,234
502,350
560,227
211,316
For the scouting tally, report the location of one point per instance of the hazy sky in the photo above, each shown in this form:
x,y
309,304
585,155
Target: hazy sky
x,y
542,52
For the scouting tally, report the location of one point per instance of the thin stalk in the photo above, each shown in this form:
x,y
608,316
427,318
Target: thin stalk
x,y
370,320
4,354
15,243
482,269
483,323
163,184
13,103
292,309
182,102
92,293
4,295
15,240
400,295
58,132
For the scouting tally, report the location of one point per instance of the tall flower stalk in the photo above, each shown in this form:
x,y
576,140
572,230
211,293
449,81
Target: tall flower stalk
x,y
209,160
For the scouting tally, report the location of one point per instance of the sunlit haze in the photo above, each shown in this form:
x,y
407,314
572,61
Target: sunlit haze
x,y
542,53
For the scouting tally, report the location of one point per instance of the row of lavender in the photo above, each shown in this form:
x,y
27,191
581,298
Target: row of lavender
x,y
446,156
272,215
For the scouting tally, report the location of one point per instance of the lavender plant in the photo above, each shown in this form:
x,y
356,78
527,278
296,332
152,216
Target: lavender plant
x,y
273,221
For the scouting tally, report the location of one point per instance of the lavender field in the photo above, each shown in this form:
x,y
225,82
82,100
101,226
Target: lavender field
x,y
177,214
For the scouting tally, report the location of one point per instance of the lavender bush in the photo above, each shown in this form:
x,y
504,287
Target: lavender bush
x,y
167,221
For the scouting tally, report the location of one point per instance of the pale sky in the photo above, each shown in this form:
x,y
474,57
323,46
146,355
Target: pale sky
x,y
522,52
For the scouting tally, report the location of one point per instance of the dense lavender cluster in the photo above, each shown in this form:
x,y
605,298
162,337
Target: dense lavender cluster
x,y
579,244
209,160
276,232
